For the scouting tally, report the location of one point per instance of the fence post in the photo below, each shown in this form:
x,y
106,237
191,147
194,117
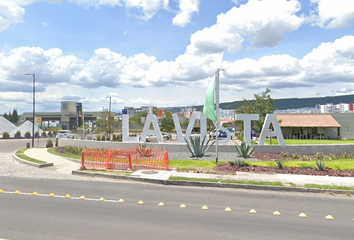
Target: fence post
x,y
82,159
109,158
130,161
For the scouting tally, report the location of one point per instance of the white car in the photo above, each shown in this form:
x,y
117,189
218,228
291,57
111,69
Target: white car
x,y
65,134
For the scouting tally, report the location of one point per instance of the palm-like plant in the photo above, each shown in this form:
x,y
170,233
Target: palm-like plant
x,y
244,150
197,148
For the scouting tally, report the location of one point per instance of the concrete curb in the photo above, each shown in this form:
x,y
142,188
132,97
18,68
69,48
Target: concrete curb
x,y
212,184
31,163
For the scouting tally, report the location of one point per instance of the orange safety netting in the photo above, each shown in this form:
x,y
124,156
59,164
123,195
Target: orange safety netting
x,y
137,157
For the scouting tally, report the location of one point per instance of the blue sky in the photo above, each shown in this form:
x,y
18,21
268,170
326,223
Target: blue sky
x,y
165,52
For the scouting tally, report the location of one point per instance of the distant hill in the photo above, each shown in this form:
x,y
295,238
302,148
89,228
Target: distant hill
x,y
285,103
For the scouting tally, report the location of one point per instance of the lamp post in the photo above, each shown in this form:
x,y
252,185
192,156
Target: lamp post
x,y
34,104
109,116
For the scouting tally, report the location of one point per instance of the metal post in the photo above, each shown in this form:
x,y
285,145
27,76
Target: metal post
x,y
217,112
34,104
83,124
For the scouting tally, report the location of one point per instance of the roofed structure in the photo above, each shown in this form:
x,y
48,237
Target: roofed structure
x,y
307,120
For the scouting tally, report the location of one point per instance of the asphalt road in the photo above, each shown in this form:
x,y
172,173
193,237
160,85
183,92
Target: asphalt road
x,y
44,217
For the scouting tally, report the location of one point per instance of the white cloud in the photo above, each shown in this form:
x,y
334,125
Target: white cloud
x,y
332,14
45,24
148,8
187,9
10,13
263,23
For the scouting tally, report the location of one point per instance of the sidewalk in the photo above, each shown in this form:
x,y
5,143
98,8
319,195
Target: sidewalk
x,y
63,165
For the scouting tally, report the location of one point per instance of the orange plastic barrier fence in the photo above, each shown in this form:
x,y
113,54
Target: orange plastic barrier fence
x,y
137,157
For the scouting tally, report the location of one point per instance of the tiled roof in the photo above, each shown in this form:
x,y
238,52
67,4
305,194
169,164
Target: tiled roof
x,y
307,120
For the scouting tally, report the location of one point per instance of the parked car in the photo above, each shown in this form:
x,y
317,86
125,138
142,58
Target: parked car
x,y
222,134
65,134
166,136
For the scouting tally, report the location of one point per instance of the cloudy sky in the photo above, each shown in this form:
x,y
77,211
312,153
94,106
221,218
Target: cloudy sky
x,y
165,52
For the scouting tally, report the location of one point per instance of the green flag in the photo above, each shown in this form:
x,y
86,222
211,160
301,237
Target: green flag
x,y
209,104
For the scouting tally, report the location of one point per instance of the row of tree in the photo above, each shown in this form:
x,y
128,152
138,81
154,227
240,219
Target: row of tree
x,y
12,117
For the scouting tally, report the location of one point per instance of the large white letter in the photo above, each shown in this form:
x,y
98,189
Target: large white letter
x,y
271,119
203,127
125,130
151,118
247,118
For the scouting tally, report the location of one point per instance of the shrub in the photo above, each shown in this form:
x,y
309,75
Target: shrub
x,y
279,163
44,134
244,150
284,154
5,135
49,143
320,164
239,163
27,135
114,137
36,134
197,148
144,150
50,133
98,137
18,134
73,150
103,138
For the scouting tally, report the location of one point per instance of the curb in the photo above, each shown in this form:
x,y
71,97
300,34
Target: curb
x,y
31,163
211,184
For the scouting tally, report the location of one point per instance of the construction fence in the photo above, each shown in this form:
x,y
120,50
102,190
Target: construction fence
x,y
134,158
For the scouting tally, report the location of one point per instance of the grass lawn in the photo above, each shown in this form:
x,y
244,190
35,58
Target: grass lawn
x,y
21,154
342,164
190,165
309,141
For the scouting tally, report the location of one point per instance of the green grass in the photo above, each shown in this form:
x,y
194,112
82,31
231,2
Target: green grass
x,y
189,165
330,187
309,141
342,164
52,151
249,182
21,154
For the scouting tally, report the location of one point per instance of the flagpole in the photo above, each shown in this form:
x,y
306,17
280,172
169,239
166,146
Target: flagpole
x,y
217,112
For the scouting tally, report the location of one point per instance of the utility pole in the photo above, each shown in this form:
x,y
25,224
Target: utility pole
x,y
217,111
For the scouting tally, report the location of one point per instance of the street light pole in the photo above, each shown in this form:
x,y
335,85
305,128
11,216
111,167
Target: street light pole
x,y
34,104
109,116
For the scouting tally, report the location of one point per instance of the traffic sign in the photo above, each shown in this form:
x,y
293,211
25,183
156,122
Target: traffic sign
x,y
39,120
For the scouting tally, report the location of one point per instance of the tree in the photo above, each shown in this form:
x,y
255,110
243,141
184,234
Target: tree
x,y
184,123
167,123
137,117
262,104
14,116
105,123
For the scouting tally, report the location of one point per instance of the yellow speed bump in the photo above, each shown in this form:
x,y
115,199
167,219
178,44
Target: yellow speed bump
x,y
184,206
161,204
35,193
51,195
228,209
140,202
101,199
205,207
67,196
82,198
302,215
17,192
1,191
121,200
253,211
276,213
329,217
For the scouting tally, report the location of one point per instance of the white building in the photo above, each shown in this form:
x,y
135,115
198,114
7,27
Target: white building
x,y
337,108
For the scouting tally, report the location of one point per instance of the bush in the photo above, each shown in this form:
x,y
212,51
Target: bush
x,y
18,134
50,133
279,163
5,135
320,164
27,135
98,137
73,150
244,150
49,143
103,138
144,150
197,148
36,134
44,134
